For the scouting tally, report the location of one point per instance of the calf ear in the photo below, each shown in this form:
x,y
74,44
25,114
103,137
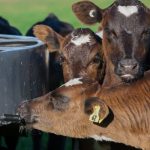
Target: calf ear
x,y
48,36
87,12
96,109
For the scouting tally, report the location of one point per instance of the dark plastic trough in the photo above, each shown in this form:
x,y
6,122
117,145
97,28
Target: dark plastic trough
x,y
23,71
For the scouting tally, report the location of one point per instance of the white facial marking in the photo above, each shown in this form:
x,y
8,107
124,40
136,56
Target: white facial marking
x,y
79,40
72,82
128,10
91,13
100,34
101,138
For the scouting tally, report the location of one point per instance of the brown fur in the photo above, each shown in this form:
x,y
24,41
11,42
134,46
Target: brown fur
x,y
84,7
129,124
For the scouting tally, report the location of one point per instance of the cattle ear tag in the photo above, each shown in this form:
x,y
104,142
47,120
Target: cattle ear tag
x,y
94,117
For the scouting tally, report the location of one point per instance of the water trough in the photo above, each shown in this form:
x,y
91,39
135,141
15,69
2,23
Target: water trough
x,y
23,71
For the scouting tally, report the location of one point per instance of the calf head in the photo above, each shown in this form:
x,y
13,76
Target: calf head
x,y
66,110
79,53
126,35
63,28
6,28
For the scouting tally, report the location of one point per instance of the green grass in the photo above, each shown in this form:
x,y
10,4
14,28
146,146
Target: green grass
x,y
24,13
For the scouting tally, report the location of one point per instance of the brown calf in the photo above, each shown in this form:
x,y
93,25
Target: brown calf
x,y
126,35
123,117
80,52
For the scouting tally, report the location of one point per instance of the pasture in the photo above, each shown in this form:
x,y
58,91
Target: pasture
x,y
24,13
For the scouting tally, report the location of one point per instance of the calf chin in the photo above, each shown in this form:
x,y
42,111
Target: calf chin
x,y
131,78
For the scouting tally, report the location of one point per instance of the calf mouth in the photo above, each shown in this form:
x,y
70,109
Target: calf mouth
x,y
129,78
26,115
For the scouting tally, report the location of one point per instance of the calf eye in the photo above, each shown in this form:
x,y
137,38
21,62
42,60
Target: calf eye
x,y
60,59
146,34
97,59
107,31
111,34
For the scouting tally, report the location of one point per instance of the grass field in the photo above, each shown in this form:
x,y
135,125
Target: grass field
x,y
24,13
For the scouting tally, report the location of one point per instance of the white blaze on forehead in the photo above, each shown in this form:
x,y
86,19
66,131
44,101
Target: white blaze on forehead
x,y
79,40
72,82
128,10
91,13
101,138
100,34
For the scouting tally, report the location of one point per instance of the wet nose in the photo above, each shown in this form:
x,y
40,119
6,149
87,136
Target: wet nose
x,y
22,109
128,65
24,112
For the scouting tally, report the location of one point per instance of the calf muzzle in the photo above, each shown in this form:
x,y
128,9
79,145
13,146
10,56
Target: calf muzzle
x,y
25,114
128,70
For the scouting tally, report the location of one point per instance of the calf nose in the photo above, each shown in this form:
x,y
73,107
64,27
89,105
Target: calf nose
x,y
25,113
128,66
22,109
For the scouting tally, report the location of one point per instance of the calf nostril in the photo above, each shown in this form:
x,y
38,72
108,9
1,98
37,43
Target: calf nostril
x,y
121,65
134,66
129,67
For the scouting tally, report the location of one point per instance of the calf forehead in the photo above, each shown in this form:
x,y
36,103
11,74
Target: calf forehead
x,y
77,54
79,44
131,17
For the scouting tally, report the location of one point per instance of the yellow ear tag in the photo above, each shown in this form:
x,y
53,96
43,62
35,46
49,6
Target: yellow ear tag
x,y
94,117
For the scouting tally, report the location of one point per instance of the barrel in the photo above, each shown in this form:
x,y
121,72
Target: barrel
x,y
23,71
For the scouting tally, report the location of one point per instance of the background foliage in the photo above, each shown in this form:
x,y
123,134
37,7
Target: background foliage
x,y
24,13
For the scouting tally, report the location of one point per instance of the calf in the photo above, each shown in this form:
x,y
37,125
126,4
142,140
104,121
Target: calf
x,y
6,28
80,52
121,117
57,25
126,36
